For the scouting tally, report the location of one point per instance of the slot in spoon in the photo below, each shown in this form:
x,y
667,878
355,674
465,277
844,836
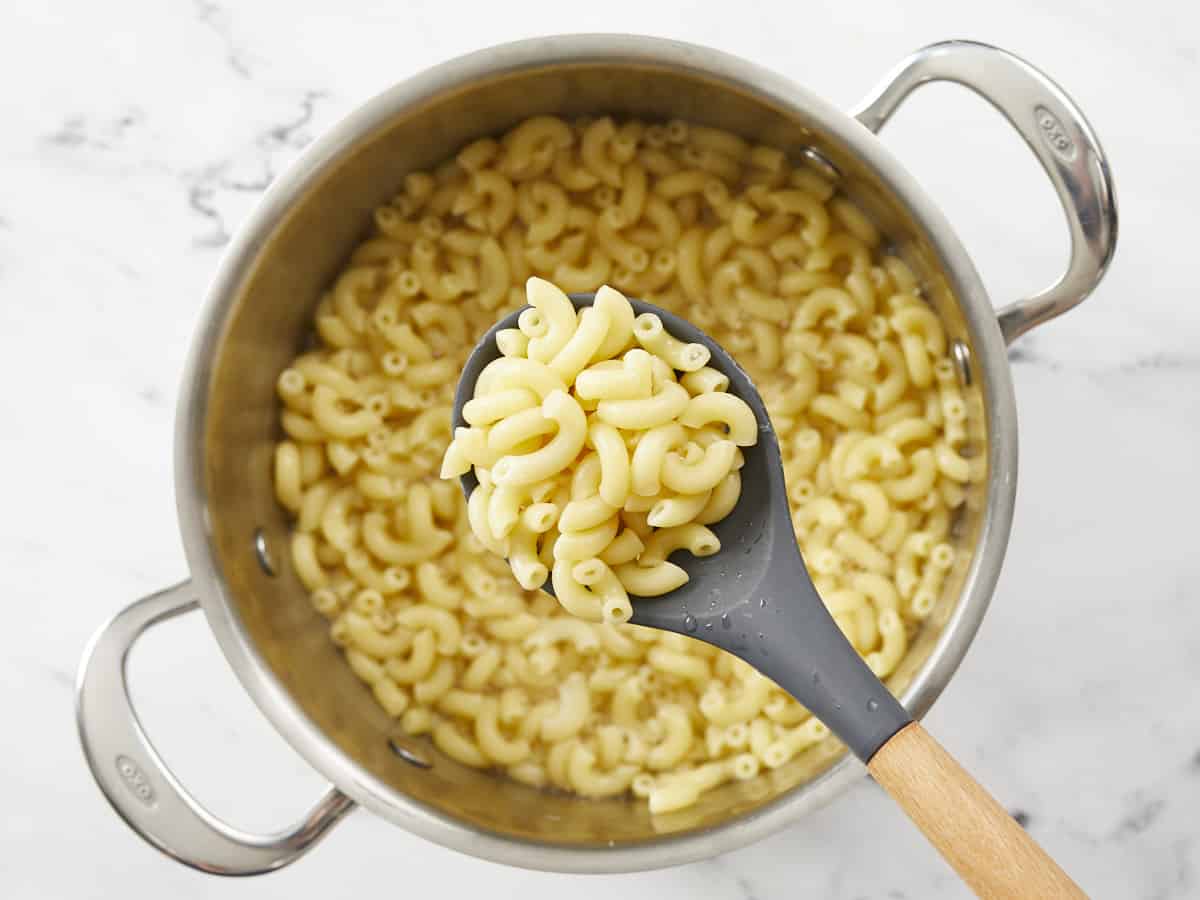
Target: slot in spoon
x,y
755,599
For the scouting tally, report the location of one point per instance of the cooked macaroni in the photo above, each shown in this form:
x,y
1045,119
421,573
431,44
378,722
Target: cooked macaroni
x,y
766,257
577,444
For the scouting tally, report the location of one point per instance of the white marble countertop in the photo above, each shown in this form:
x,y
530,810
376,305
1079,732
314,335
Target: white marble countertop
x,y
135,137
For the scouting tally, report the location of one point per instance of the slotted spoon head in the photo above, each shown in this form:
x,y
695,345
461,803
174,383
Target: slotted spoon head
x,y
754,597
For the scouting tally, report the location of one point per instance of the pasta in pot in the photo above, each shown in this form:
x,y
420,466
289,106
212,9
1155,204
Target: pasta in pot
x,y
771,261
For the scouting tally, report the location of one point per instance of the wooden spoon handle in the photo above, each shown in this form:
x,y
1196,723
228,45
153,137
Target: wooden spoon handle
x,y
990,851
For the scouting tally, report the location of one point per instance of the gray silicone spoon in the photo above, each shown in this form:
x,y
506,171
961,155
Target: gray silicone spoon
x,y
755,599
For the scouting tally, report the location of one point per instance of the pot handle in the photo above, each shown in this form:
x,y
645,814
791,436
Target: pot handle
x,y
138,783
1058,135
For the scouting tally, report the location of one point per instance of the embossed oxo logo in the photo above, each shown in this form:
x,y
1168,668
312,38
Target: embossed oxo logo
x,y
137,783
1054,134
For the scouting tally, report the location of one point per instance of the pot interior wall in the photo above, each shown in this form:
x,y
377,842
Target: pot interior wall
x,y
270,322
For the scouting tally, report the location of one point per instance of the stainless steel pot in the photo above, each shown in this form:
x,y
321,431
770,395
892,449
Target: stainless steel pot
x,y
257,315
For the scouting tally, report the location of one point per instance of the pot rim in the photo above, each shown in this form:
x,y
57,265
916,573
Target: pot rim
x,y
373,115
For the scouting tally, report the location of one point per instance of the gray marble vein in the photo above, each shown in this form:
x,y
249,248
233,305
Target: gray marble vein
x,y
250,174
219,21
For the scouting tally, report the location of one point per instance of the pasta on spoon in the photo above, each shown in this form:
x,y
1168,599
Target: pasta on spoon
x,y
601,444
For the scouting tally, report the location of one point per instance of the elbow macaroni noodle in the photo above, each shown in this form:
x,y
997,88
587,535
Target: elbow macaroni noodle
x,y
776,266
624,370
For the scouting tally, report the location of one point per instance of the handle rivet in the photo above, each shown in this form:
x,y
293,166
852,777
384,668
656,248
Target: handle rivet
x,y
822,163
961,354
409,756
263,553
